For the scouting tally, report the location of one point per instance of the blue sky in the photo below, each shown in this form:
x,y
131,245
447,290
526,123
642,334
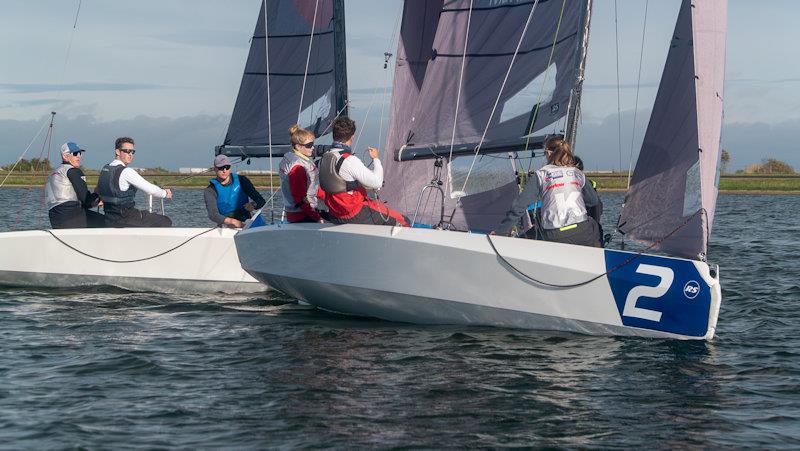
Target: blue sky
x,y
167,72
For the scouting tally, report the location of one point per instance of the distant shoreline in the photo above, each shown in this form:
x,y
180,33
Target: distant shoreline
x,y
757,184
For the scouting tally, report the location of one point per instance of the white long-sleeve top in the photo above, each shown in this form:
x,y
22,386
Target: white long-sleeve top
x,y
354,169
130,177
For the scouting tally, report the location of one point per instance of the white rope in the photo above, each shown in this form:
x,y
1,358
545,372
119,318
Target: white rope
x,y
636,104
308,60
619,104
458,97
25,151
499,95
269,114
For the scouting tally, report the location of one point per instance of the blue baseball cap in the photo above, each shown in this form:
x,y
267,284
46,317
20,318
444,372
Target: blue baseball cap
x,y
71,147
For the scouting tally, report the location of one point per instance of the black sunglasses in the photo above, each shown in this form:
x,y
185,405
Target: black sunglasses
x,y
128,151
308,145
223,168
75,154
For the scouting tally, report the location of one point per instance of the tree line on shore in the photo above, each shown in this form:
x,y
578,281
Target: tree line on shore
x,y
767,166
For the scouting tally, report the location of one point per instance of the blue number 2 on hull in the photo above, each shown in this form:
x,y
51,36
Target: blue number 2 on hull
x,y
659,293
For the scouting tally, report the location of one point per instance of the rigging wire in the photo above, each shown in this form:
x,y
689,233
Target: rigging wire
x,y
67,52
636,104
395,36
619,104
269,112
27,149
544,81
499,95
458,92
308,57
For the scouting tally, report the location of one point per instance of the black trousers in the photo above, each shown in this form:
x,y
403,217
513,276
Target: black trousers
x,y
586,233
75,218
132,217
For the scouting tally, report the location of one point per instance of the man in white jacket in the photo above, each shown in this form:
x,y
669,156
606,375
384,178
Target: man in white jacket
x,y
117,187
345,180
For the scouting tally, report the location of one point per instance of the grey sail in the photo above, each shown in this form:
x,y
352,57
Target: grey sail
x,y
428,99
322,85
670,204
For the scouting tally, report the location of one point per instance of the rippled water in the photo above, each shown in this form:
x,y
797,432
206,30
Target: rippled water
x,y
105,368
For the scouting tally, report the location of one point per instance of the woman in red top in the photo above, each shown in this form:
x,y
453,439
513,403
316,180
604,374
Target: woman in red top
x,y
300,178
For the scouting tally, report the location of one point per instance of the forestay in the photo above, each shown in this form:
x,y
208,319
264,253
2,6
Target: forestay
x,y
432,106
304,61
670,204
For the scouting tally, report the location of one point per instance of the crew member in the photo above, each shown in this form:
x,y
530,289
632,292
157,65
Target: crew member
x,y
230,197
345,180
117,187
565,195
68,199
300,178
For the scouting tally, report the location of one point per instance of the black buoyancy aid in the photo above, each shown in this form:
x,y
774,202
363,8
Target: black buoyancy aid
x,y
329,178
115,201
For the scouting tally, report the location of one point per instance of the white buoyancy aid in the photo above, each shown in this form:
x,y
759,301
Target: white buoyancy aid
x,y
562,201
58,189
289,162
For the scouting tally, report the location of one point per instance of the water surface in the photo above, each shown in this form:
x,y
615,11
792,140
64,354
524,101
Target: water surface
x,y
102,368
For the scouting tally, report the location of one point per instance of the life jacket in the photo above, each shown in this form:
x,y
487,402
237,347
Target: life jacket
x,y
289,162
343,198
115,201
329,178
562,201
58,189
230,197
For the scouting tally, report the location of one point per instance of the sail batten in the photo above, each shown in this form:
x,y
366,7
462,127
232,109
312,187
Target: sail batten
x,y
670,204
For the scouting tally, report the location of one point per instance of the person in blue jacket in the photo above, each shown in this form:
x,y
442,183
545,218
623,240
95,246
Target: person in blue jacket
x,y
230,197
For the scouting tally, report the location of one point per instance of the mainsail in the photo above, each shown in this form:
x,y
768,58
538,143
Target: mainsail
x,y
306,62
432,106
670,204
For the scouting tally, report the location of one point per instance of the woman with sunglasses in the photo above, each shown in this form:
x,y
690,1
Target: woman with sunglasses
x,y
68,199
230,197
564,193
300,178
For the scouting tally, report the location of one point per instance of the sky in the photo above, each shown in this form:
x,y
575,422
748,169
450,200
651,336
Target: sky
x,y
167,73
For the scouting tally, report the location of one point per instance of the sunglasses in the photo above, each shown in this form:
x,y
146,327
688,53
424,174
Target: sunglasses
x,y
224,168
308,145
128,151
77,154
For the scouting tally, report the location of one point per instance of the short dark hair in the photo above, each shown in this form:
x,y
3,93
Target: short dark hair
x,y
343,128
578,162
122,140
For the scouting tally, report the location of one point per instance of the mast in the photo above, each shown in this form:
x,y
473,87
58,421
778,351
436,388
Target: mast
x,y
340,57
575,100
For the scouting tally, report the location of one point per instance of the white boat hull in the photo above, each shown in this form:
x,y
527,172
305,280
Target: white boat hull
x,y
206,264
438,277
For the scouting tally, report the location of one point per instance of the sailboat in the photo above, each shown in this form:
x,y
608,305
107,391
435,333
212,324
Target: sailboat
x,y
469,87
202,260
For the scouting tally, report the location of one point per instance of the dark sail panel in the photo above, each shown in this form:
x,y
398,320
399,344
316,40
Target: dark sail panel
x,y
289,25
670,204
427,99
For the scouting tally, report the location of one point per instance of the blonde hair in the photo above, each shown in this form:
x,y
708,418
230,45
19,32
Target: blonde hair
x,y
559,152
298,134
